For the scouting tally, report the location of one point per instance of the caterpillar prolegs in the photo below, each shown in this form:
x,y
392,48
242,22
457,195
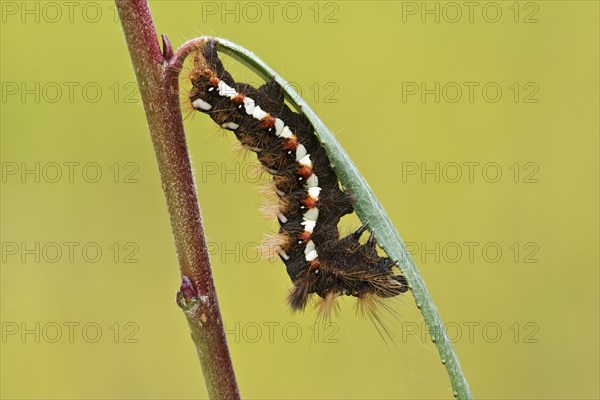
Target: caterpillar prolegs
x,y
311,202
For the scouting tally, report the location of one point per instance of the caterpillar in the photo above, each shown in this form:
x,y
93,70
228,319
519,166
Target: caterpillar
x,y
310,200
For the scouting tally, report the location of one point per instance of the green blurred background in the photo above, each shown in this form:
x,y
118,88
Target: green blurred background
x,y
476,125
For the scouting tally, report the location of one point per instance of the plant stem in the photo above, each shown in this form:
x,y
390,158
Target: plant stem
x,y
368,208
160,97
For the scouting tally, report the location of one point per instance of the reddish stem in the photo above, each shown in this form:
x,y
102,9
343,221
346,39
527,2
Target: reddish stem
x,y
159,91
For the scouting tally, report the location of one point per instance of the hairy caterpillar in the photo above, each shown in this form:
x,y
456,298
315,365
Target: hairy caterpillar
x,y
311,202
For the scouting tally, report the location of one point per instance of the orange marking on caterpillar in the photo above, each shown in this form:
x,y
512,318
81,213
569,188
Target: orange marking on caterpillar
x,y
314,265
309,202
268,121
304,236
291,144
304,171
238,99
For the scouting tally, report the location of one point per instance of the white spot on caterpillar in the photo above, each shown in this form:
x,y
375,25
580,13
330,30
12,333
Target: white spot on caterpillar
x,y
286,133
279,125
310,246
282,218
230,125
226,90
310,252
258,113
300,152
312,182
306,161
313,193
282,253
200,104
249,105
309,226
311,215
